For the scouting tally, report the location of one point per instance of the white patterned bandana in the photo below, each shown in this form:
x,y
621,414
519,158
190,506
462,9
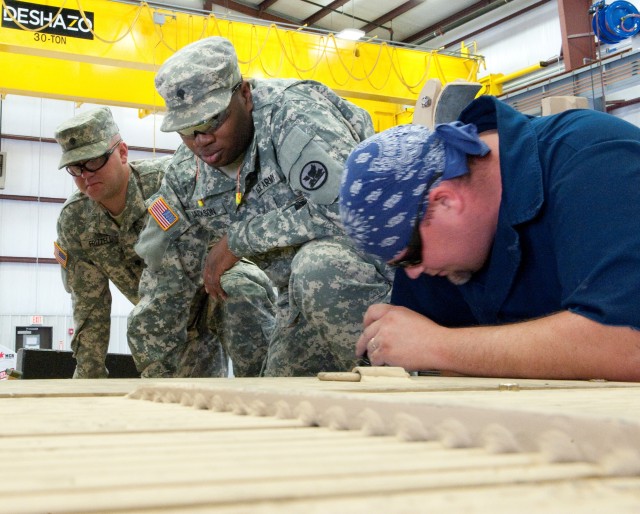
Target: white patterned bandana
x,y
387,179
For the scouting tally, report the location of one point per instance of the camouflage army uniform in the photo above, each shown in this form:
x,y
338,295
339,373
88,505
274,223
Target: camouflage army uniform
x,y
196,200
92,250
288,222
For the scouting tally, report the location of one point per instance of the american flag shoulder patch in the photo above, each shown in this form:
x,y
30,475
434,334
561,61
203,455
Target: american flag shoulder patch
x,y
163,214
60,255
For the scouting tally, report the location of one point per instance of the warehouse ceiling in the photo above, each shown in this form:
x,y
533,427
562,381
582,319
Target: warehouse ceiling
x,y
412,22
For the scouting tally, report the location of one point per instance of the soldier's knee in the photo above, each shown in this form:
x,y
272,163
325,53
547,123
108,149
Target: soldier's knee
x,y
327,275
240,284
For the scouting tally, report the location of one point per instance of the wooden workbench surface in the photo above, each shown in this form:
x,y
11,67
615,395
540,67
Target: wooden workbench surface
x,y
304,445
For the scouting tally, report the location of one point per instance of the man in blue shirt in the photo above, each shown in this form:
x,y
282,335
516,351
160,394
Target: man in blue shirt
x,y
519,238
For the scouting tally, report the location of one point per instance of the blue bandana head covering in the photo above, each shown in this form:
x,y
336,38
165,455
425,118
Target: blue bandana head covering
x,y
387,179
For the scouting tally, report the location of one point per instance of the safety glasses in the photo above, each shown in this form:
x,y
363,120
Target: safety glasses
x,y
92,165
209,127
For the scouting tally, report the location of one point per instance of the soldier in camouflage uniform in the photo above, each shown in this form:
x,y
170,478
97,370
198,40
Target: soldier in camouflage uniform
x,y
97,229
174,246
268,162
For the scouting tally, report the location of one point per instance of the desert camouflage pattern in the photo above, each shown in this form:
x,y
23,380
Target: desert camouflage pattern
x,y
202,198
85,136
196,82
288,223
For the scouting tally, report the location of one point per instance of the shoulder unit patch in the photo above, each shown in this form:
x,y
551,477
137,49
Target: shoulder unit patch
x,y
313,175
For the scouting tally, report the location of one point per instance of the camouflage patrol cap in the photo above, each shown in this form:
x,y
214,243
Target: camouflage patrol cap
x,y
86,136
196,82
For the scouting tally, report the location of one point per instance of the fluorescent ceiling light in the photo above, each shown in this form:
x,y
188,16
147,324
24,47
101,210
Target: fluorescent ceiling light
x,y
351,34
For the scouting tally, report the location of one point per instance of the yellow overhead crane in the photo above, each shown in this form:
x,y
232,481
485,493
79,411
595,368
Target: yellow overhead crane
x,y
107,52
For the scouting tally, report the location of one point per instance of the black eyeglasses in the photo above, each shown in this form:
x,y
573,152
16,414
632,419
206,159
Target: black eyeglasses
x,y
413,253
209,127
92,165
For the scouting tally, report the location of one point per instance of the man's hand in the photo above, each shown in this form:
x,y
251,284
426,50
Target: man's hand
x,y
561,346
396,336
219,260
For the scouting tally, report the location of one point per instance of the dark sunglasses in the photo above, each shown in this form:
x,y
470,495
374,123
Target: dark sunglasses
x,y
92,165
413,253
209,127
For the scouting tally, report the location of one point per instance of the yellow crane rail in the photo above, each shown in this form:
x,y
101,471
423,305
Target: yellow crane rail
x,y
108,52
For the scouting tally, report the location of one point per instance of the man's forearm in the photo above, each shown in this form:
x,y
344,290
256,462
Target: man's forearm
x,y
279,229
560,346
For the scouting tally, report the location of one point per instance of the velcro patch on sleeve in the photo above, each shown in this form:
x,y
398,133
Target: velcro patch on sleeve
x,y
310,169
162,213
60,255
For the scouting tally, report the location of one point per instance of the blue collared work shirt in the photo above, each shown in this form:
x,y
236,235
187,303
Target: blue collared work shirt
x,y
568,235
